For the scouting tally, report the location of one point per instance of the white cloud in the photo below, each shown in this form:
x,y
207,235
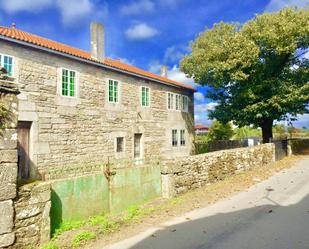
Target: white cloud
x,y
275,5
202,118
71,11
141,31
138,7
175,53
199,96
176,75
302,120
205,107
13,6
154,67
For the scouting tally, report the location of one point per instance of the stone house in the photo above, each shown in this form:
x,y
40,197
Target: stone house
x,y
81,109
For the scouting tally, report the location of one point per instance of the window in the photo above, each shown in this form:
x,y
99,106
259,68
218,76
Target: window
x,y
119,144
6,61
145,96
185,103
170,101
174,138
68,86
178,102
113,91
182,138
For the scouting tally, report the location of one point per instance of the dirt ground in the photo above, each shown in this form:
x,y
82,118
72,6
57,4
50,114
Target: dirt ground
x,y
161,210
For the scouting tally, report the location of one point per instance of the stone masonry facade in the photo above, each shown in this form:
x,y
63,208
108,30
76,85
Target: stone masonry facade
x,y
8,164
31,219
75,134
182,174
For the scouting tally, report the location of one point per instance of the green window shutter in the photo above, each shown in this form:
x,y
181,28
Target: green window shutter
x,y
115,91
147,96
110,91
64,82
8,64
72,83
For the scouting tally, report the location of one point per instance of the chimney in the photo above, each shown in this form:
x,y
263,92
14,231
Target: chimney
x,y
163,72
97,41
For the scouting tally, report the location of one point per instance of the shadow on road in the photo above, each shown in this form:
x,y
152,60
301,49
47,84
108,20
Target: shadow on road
x,y
261,227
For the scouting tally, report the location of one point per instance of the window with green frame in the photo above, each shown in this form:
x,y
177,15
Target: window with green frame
x,y
145,96
68,85
6,61
113,91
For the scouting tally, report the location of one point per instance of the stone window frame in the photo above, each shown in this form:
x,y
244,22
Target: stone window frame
x,y
185,107
170,104
13,63
59,85
178,102
118,91
182,139
174,137
123,144
141,96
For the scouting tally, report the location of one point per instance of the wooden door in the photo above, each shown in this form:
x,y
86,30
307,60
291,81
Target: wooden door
x,y
23,134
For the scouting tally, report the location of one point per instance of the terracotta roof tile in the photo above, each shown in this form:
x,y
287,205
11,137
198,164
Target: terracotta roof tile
x,y
46,43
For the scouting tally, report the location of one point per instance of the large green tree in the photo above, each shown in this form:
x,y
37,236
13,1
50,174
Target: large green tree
x,y
257,71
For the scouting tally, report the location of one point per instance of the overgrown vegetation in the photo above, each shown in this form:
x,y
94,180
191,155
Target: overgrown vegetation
x,y
82,237
4,113
50,245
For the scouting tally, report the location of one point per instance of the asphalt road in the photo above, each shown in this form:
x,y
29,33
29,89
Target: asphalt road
x,y
273,214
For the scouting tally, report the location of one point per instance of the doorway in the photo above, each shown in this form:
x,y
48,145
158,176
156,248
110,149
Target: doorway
x,y
137,147
23,135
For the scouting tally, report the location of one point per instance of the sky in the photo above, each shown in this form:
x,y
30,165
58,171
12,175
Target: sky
x,y
144,33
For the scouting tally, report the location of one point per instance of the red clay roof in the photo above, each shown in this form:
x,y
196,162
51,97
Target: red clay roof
x,y
46,43
201,127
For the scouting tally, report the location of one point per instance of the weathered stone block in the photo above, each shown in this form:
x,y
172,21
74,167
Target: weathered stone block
x,y
8,175
8,156
8,139
7,239
7,216
45,224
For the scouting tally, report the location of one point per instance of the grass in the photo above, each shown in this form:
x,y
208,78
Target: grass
x,y
50,245
82,237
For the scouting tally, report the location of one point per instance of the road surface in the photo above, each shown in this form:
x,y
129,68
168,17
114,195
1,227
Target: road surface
x,y
273,214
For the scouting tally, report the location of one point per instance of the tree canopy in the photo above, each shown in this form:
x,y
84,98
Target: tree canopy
x,y
258,71
219,131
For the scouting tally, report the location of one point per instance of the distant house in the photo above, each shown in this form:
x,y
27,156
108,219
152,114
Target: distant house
x,y
79,108
201,129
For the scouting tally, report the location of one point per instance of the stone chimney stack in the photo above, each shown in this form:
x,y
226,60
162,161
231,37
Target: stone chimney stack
x,y
97,41
163,72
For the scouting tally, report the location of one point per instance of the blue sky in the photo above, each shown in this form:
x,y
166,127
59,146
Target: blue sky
x,y
145,33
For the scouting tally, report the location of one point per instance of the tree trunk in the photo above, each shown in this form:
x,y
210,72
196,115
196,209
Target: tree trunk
x,y
267,131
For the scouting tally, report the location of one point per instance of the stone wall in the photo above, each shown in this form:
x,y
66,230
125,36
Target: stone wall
x,y
182,174
8,164
32,221
299,146
80,132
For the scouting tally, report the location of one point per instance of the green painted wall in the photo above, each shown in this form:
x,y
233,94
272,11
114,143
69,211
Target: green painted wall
x,y
81,197
78,198
134,186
